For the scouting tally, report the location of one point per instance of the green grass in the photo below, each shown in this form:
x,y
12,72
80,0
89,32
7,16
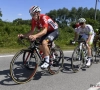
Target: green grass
x,y
68,47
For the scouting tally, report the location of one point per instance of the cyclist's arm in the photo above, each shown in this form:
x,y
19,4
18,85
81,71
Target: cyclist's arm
x,y
29,33
76,34
42,33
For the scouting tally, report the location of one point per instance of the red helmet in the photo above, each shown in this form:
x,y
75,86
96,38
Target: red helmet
x,y
77,25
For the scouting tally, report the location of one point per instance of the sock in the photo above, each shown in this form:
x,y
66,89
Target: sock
x,y
54,56
89,57
47,58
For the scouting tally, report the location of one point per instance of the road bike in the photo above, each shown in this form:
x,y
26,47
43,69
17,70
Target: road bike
x,y
79,56
25,62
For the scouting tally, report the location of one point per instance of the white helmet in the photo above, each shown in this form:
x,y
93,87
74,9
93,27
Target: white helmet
x,y
34,9
81,20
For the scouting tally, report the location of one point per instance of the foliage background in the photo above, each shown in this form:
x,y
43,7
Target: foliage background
x,y
64,17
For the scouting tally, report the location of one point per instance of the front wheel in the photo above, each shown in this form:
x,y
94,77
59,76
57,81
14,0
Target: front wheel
x,y
19,65
76,61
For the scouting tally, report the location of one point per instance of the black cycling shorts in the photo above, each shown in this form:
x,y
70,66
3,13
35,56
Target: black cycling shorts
x,y
50,36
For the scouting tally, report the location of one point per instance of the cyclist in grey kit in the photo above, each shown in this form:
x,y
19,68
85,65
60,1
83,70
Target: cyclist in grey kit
x,y
86,32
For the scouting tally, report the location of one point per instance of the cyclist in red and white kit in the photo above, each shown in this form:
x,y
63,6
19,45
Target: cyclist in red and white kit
x,y
48,31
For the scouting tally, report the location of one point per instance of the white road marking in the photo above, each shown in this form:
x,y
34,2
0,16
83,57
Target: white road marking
x,y
13,55
68,51
6,55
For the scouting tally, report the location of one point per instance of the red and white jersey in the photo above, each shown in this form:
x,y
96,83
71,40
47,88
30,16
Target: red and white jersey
x,y
44,21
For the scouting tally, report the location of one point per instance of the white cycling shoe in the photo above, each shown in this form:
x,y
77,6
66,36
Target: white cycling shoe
x,y
88,62
45,65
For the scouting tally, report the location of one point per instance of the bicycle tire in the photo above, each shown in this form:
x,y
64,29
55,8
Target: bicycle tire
x,y
18,70
96,55
56,64
76,57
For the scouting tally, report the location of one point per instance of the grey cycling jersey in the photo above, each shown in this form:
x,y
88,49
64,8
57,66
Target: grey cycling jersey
x,y
88,29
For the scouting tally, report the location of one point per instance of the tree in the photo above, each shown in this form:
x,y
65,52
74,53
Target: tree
x,y
73,14
0,13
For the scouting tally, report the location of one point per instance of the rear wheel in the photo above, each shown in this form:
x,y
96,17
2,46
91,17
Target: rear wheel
x,y
96,54
21,64
56,60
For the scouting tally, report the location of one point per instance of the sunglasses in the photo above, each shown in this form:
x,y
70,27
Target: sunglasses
x,y
81,23
33,14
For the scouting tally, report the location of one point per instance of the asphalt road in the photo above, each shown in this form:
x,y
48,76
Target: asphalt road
x,y
65,80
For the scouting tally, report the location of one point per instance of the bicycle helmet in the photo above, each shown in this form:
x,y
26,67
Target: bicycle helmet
x,y
34,9
82,20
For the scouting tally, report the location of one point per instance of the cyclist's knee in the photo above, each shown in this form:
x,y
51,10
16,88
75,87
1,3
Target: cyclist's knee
x,y
44,43
89,46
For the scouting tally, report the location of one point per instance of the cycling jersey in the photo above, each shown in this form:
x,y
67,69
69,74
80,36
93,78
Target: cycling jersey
x,y
85,32
44,21
88,29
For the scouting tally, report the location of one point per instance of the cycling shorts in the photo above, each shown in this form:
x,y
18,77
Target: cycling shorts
x,y
85,37
51,36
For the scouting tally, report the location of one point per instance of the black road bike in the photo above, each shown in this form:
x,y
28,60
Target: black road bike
x,y
25,62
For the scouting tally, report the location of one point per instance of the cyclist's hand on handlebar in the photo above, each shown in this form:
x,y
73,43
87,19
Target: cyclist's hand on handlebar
x,y
32,37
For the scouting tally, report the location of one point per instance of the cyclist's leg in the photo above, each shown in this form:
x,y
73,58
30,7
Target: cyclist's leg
x,y
85,37
89,45
45,49
48,37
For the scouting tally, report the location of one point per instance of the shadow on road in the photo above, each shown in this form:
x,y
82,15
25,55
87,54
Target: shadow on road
x,y
67,65
7,80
